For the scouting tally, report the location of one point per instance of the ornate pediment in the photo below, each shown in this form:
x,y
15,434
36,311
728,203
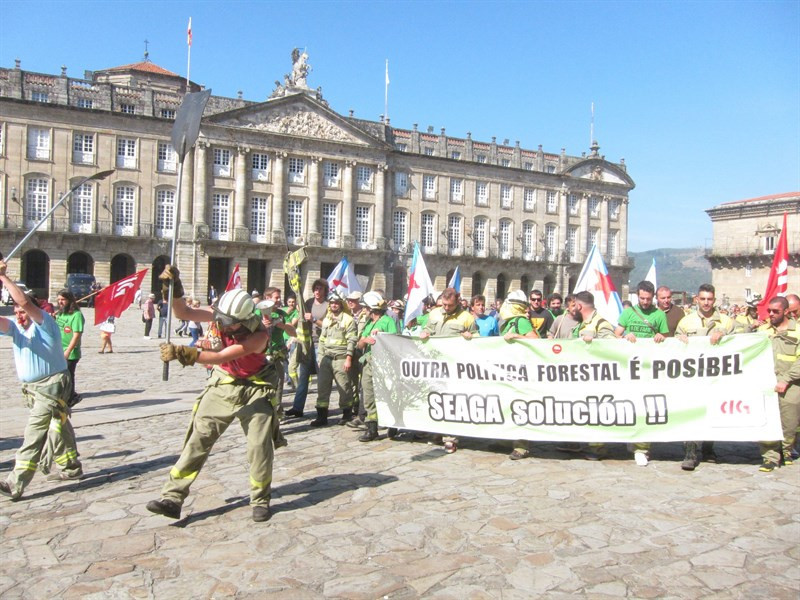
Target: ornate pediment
x,y
597,173
296,119
600,171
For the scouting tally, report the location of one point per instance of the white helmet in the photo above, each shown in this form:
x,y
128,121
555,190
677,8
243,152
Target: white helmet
x,y
373,301
517,297
234,306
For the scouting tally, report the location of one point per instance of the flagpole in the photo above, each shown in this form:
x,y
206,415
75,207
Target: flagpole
x,y
386,95
189,53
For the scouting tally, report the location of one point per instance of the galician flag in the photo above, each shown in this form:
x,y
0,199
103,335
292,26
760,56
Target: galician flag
x,y
455,280
235,282
778,282
651,274
419,286
594,278
343,279
115,298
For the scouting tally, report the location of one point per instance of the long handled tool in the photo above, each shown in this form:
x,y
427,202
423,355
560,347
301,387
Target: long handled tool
x,y
96,177
184,135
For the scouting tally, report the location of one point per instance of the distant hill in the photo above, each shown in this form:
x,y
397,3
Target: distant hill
x,y
682,269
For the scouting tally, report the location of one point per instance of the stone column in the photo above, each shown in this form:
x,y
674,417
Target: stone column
x,y
380,206
604,227
241,232
201,184
623,229
562,221
468,149
490,289
584,233
185,223
314,236
347,204
277,277
278,233
313,273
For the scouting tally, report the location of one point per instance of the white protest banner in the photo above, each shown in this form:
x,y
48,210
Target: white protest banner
x,y
568,390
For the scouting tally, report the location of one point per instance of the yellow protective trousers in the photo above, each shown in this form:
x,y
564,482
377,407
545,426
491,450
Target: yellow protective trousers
x,y
332,370
48,423
223,400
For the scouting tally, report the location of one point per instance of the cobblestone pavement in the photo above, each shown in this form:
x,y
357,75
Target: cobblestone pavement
x,y
388,519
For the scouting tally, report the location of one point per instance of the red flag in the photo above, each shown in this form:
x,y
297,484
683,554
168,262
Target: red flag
x,y
235,282
118,296
189,33
778,282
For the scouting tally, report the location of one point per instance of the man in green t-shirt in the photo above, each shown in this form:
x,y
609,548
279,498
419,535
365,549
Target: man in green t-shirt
x,y
378,322
278,324
70,321
643,321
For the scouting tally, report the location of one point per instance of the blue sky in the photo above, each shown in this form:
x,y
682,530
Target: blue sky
x,y
702,99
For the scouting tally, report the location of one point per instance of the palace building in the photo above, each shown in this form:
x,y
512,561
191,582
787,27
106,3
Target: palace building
x,y
745,234
284,173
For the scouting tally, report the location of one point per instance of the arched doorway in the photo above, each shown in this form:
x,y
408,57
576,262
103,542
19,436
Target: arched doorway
x,y
35,272
122,265
399,282
219,271
549,284
158,266
257,269
80,262
525,284
502,286
572,281
478,284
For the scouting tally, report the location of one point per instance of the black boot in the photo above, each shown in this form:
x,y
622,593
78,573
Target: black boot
x,y
347,416
371,433
690,458
322,418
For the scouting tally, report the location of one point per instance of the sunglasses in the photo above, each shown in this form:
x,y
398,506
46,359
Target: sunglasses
x,y
536,299
774,311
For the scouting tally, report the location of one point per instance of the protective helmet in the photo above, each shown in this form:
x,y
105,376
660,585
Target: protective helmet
x,y
399,305
517,297
373,301
754,301
234,306
335,296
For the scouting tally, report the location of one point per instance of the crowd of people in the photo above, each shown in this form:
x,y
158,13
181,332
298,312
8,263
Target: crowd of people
x,y
254,345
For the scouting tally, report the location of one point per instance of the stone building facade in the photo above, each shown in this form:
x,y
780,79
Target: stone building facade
x,y
745,234
283,173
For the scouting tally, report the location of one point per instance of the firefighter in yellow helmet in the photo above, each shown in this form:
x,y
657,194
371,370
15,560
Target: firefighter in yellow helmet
x,y
241,386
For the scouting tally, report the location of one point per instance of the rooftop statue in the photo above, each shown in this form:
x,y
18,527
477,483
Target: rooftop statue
x,y
297,80
300,68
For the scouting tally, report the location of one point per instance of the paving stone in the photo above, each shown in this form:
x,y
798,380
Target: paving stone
x,y
389,519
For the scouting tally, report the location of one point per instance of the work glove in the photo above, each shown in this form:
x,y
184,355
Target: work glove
x,y
171,273
186,355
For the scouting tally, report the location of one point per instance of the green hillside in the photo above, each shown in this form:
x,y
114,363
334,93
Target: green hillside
x,y
681,269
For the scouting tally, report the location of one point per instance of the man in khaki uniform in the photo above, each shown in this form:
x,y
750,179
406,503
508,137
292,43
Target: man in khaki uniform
x,y
784,333
591,326
705,321
337,344
450,319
